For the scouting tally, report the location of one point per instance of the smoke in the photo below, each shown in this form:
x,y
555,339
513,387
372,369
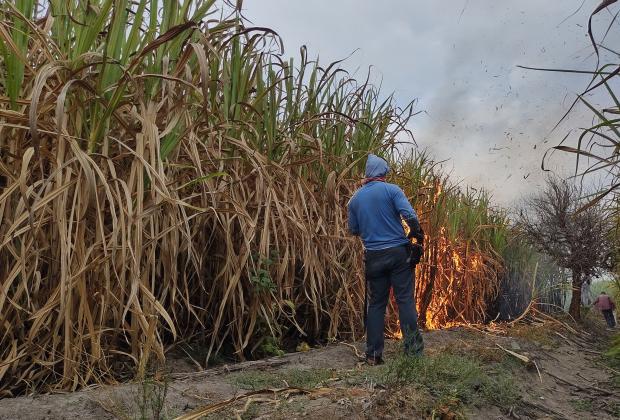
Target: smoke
x,y
491,119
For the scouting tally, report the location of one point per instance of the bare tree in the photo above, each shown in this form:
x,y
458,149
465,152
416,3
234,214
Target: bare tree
x,y
575,236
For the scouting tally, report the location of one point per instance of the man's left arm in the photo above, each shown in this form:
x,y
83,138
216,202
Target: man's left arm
x,y
407,212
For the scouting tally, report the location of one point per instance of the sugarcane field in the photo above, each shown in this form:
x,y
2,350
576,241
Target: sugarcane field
x,y
215,209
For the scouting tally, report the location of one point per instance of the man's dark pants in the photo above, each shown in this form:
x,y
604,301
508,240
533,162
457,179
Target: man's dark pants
x,y
609,317
384,269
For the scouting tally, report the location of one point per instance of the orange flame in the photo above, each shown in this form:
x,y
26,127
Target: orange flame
x,y
454,282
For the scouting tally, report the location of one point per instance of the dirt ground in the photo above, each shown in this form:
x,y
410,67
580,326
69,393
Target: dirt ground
x,y
548,371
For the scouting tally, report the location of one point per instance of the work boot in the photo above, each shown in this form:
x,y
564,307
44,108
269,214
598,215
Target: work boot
x,y
374,360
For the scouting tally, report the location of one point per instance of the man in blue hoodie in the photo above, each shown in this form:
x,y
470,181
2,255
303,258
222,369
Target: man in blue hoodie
x,y
375,213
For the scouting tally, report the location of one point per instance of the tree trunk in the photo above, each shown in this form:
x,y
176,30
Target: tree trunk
x,y
575,303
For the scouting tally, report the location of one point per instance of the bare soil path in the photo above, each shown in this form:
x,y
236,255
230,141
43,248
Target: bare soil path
x,y
531,370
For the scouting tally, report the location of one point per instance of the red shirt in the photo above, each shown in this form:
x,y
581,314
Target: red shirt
x,y
604,303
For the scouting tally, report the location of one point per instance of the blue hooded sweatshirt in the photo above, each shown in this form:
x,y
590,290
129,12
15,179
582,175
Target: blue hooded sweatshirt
x,y
375,210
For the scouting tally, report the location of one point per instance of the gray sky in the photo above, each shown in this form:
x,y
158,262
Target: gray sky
x,y
459,58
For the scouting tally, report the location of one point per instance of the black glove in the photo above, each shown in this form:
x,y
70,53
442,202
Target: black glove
x,y
420,237
415,230
417,251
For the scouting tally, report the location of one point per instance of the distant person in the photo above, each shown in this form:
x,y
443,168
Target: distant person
x,y
606,305
375,213
586,292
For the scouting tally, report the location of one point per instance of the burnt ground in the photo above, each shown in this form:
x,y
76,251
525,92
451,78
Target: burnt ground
x,y
539,368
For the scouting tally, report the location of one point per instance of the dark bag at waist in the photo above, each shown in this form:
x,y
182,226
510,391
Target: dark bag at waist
x,y
417,251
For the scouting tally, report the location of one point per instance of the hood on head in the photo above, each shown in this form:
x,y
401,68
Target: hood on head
x,y
376,167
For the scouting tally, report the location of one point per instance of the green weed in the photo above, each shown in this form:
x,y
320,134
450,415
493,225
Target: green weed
x,y
271,347
449,377
151,398
582,405
612,358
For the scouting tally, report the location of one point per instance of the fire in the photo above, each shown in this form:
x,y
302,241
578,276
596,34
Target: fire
x,y
456,259
454,283
476,262
398,335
